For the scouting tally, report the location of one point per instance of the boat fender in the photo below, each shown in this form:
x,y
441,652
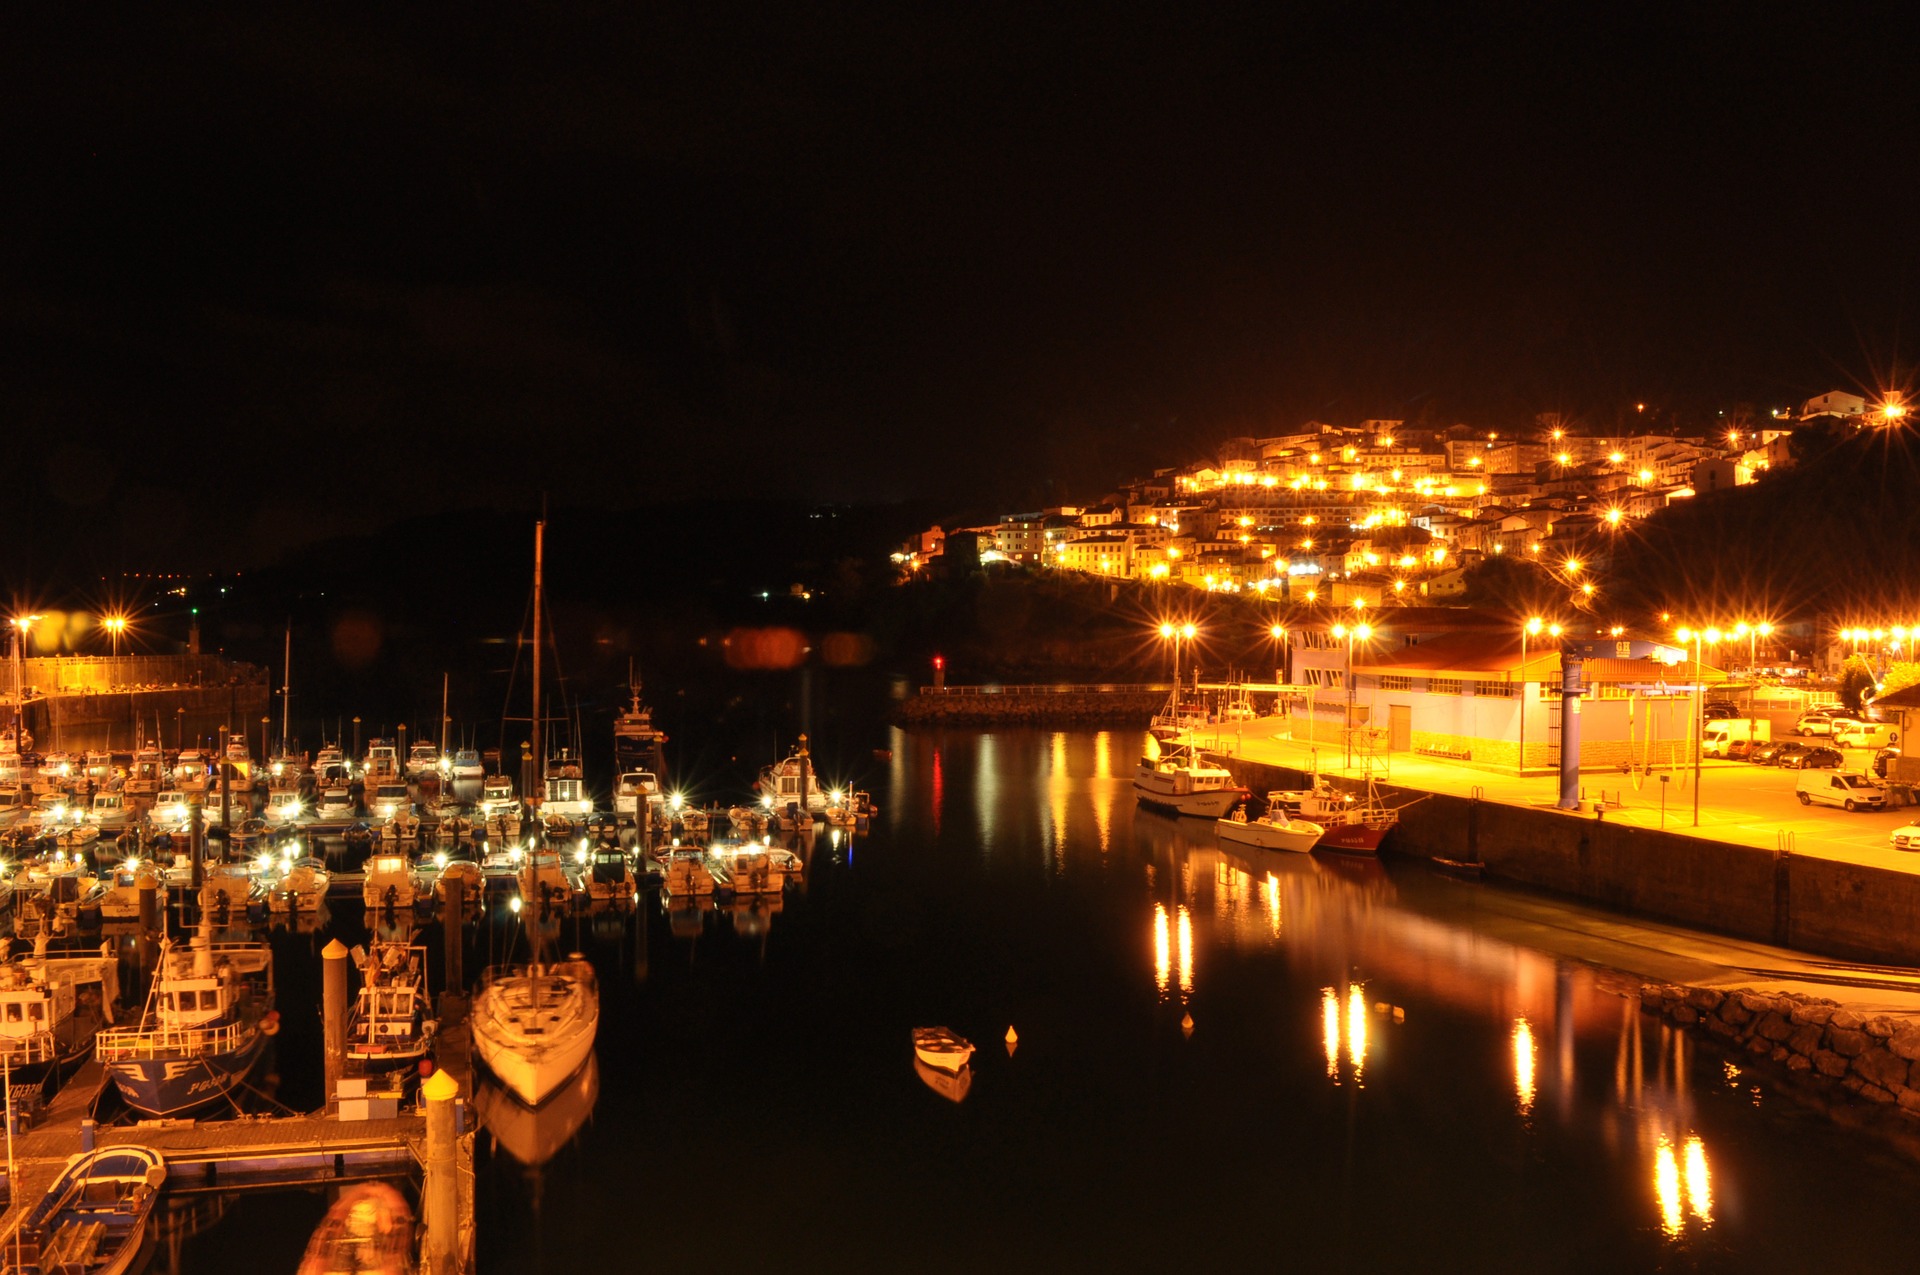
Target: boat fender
x,y
270,1025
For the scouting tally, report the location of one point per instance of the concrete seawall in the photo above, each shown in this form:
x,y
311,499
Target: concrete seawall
x,y
1816,905
1133,709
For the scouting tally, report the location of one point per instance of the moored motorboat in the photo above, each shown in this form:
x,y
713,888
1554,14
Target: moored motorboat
x,y
121,899
301,886
685,872
1273,830
368,1229
388,881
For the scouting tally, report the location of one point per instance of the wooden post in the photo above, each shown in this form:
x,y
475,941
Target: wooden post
x,y
440,1193
333,1004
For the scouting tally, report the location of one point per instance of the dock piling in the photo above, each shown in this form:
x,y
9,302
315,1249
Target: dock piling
x,y
440,1194
333,1007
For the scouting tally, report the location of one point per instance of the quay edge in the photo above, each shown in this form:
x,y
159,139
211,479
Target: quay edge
x,y
1822,906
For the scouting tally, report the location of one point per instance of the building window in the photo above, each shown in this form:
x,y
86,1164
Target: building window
x,y
1503,690
1445,686
1396,683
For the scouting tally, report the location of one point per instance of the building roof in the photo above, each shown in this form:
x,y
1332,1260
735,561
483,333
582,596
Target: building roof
x,y
1499,655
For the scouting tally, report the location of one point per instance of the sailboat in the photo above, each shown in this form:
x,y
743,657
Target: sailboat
x,y
534,1025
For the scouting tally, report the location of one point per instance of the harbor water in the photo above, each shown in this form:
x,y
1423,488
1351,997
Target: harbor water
x,y
1217,1056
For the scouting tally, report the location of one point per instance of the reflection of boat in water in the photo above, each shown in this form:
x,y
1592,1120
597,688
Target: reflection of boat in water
x,y
93,1219
686,914
939,1047
951,1085
534,1135
1273,830
1179,782
368,1231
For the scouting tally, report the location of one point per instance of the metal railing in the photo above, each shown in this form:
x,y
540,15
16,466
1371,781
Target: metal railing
x,y
1056,688
121,1044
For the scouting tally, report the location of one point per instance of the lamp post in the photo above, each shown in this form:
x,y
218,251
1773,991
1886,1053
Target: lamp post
x,y
1531,628
1357,632
116,625
1710,637
1177,633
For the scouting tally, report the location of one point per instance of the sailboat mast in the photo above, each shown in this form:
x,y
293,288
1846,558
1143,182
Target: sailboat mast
x,y
286,690
445,680
539,604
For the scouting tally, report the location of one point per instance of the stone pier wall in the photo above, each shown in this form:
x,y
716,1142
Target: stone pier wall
x,y
1134,710
1877,1057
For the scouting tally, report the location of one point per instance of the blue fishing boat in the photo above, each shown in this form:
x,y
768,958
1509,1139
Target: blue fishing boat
x,y
207,1019
93,1219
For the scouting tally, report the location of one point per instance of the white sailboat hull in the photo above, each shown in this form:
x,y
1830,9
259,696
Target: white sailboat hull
x,y
535,1048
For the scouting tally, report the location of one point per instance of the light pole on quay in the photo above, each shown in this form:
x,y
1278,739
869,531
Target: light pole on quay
x,y
1534,627
1710,637
1359,632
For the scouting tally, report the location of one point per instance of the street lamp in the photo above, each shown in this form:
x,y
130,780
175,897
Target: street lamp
x,y
1711,637
1176,634
116,625
1358,632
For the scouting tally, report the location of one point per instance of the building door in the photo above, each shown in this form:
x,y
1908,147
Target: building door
x,y
1400,728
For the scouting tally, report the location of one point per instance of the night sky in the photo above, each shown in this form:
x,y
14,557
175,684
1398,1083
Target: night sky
x,y
270,277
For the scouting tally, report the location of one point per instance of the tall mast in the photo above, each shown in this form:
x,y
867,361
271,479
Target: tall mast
x,y
286,690
445,679
539,603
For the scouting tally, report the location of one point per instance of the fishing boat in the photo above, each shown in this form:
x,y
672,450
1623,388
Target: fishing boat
x,y
941,1049
382,765
496,794
121,899
329,761
93,1219
534,1025
207,1018
1273,830
368,1230
192,770
148,772
108,812
1180,782
391,1025
51,1008
636,740
566,790
1355,823
388,882
301,885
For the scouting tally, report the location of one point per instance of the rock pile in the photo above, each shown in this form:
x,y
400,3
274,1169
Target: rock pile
x,y
1875,1057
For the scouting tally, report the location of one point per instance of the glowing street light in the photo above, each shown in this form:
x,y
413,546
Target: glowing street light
x,y
115,625
1710,637
1357,632
1534,627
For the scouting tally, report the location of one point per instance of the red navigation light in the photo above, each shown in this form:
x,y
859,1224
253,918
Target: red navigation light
x,y
939,661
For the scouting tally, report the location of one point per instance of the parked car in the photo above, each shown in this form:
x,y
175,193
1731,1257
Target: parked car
x,y
1905,837
1883,761
1810,757
1818,722
1719,710
1767,751
1856,734
1844,788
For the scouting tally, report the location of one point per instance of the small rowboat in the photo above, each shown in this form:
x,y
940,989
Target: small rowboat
x,y
93,1219
937,1047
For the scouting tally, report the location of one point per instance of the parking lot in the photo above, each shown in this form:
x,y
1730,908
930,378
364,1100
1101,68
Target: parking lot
x,y
1739,802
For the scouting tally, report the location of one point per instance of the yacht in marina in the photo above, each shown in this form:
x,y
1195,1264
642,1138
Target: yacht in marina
x,y
423,759
632,788
793,783
147,774
566,789
207,1018
388,882
121,899
542,878
467,764
301,885
534,1025
382,765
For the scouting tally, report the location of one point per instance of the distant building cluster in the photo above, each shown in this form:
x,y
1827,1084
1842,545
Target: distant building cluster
x,y
1382,512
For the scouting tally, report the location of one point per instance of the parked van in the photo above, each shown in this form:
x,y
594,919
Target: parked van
x,y
1864,735
1714,740
1844,788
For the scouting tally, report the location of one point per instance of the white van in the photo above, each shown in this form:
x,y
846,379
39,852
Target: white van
x,y
1848,734
1714,740
1844,788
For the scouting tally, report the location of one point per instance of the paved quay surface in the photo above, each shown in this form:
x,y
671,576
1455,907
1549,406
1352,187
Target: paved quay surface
x,y
1740,802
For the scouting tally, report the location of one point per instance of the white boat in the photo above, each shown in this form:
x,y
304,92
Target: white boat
x,y
1179,781
108,812
382,765
496,793
50,1010
632,788
15,802
606,874
328,760
58,773
531,1136
403,828
941,1049
169,813
284,807
121,901
533,1026
473,880
388,882
1273,830
467,764
192,769
754,869
542,879
504,823
389,799
748,824
147,774
301,885
229,888
335,802
423,759
566,790
792,782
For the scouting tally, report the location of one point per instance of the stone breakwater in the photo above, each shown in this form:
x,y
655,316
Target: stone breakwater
x,y
1015,709
1876,1057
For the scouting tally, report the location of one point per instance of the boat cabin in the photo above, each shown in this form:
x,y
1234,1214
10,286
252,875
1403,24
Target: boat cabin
x,y
390,799
109,808
283,806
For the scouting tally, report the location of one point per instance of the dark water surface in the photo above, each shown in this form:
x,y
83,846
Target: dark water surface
x,y
1368,1083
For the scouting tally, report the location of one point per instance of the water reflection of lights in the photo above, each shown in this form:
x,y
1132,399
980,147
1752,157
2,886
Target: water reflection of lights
x,y
1356,1031
1186,952
1162,948
1272,892
1682,1177
1103,755
1523,1061
986,791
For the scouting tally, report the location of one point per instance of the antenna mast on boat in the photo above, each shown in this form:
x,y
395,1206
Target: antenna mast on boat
x,y
539,605
445,680
286,690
